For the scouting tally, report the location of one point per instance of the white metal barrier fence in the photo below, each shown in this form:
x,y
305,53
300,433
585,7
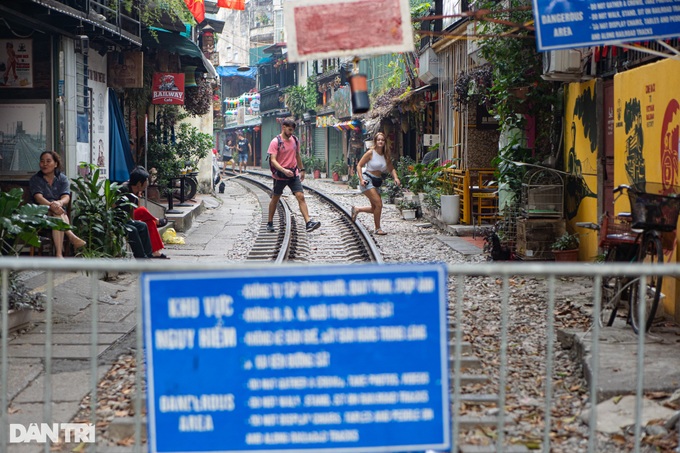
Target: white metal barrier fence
x,y
497,438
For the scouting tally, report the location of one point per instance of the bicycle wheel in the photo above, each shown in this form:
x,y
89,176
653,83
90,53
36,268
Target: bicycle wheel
x,y
611,293
652,253
190,188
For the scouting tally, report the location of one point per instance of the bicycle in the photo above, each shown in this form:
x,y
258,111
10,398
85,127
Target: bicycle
x,y
635,237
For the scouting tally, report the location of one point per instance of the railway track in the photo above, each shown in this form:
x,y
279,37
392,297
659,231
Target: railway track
x,y
339,240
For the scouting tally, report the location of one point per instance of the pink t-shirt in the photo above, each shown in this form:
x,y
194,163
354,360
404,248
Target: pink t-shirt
x,y
287,157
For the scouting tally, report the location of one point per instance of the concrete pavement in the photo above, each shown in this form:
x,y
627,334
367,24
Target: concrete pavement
x,y
214,226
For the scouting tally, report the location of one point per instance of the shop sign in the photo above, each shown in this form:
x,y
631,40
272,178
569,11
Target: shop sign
x,y
168,88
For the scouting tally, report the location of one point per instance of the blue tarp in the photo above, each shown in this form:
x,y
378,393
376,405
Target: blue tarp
x,y
232,71
120,156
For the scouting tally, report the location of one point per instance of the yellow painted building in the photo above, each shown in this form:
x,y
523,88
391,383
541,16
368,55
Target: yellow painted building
x,y
645,117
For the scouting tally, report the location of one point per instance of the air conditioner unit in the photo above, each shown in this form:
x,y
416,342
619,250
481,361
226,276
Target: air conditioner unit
x,y
429,66
562,65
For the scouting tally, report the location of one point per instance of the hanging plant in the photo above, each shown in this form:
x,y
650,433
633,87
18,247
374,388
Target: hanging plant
x,y
198,99
474,86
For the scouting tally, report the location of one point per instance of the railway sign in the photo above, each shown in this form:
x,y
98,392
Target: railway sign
x,y
568,24
295,359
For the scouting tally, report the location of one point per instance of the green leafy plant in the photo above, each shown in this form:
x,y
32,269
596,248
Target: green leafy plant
x,y
301,98
432,198
566,242
423,176
408,204
474,86
518,65
169,156
319,164
100,212
404,167
339,167
20,223
198,99
391,190
353,181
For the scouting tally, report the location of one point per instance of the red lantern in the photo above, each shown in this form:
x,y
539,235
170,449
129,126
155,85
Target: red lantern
x,y
256,128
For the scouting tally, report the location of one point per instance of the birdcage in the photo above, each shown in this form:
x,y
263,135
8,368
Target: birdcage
x,y
542,194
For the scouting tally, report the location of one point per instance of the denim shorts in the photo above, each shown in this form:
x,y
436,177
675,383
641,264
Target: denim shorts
x,y
369,184
294,183
243,157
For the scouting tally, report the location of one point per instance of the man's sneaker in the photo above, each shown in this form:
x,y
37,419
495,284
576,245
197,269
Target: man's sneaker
x,y
270,227
313,225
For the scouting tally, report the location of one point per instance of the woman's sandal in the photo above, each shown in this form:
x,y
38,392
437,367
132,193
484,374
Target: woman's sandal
x,y
354,214
162,256
380,232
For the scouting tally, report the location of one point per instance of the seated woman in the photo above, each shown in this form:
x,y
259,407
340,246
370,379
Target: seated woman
x,y
139,180
50,187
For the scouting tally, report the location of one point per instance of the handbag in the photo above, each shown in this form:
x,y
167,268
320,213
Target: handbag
x,y
375,180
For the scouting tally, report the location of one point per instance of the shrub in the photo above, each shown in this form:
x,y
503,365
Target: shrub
x,y
101,211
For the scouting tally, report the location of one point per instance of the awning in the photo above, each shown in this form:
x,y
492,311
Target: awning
x,y
178,44
348,125
232,71
248,123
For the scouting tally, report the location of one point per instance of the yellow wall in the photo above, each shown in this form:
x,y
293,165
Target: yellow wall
x,y
646,136
581,131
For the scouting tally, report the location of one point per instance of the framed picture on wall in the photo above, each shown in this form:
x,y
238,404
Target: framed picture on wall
x,y
25,133
16,63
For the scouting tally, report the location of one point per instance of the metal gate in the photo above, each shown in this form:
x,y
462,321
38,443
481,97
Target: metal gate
x,y
53,373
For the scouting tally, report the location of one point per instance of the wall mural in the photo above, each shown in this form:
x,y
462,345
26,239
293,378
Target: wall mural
x,y
635,160
581,145
646,136
583,138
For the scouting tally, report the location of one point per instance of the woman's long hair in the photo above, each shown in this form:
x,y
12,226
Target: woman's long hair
x,y
386,150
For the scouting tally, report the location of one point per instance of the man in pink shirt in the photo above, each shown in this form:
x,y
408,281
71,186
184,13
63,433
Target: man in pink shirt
x,y
287,171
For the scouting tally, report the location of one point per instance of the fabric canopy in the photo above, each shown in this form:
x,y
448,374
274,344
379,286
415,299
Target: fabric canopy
x,y
120,155
176,43
348,125
232,71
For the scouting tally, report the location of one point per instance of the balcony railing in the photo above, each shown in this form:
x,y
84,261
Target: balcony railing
x,y
615,59
271,98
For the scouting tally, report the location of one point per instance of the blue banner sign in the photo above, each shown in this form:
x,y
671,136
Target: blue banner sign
x,y
344,358
568,24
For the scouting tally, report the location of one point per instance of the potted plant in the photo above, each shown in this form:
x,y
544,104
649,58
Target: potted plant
x,y
318,166
353,181
392,191
408,209
565,247
339,168
100,215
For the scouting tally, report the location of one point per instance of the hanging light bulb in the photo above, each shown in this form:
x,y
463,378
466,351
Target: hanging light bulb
x,y
358,85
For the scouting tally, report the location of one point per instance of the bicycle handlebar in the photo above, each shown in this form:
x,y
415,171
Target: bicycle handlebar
x,y
621,187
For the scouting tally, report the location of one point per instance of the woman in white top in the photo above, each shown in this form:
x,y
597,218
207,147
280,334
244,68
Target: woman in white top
x,y
376,161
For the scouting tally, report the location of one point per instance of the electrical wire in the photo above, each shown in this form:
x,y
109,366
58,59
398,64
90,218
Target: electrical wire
x,y
15,33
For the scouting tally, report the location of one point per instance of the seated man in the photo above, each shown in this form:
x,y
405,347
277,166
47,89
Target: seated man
x,y
135,186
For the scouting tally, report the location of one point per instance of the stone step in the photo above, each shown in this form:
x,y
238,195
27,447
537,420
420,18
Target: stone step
x,y
472,421
466,347
473,398
467,379
466,363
